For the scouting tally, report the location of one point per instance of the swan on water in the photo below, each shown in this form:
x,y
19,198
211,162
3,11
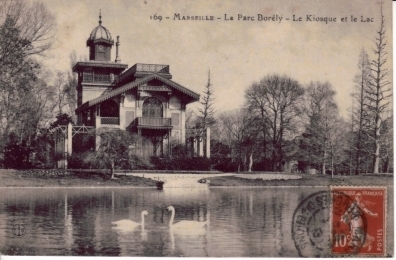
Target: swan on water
x,y
129,225
185,224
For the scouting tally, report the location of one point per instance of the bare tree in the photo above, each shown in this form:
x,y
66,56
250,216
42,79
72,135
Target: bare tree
x,y
70,87
34,22
275,100
379,91
322,114
26,29
359,113
206,113
59,85
241,130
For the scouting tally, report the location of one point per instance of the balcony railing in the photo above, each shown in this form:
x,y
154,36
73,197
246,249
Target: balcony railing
x,y
110,120
154,121
151,68
102,78
89,77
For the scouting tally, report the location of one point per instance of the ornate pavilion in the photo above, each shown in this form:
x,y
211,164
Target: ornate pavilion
x,y
142,99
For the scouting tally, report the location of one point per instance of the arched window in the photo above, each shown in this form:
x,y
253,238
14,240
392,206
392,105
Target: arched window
x,y
109,108
152,107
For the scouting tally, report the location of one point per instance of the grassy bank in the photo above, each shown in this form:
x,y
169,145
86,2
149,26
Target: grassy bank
x,y
53,178
306,180
59,178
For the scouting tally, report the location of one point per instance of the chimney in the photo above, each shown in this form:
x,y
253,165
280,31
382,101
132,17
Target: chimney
x,y
117,44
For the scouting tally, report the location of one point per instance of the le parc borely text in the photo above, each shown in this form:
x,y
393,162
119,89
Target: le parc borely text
x,y
270,18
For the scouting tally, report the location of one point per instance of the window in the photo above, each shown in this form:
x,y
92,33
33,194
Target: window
x,y
152,107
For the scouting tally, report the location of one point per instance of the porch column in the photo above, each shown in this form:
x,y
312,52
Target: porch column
x,y
65,147
195,145
122,116
97,117
169,147
200,145
69,139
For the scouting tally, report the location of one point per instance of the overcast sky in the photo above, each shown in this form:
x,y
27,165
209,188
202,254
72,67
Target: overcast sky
x,y
236,52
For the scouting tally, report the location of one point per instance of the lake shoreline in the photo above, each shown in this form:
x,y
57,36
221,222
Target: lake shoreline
x,y
58,178
305,181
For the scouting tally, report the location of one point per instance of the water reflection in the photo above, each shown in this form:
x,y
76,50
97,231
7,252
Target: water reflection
x,y
233,222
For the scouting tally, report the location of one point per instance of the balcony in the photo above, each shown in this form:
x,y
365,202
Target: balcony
x,y
110,120
89,77
158,68
154,122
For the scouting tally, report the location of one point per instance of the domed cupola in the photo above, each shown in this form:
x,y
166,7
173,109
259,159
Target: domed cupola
x,y
99,43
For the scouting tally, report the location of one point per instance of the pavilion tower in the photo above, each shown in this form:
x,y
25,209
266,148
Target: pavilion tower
x,y
98,74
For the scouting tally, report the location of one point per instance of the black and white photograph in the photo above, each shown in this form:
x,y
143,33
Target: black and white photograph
x,y
171,128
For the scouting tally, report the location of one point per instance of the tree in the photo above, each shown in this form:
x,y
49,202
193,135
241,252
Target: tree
x,y
386,151
34,22
27,30
275,100
206,113
323,118
59,85
359,113
70,87
242,131
378,92
116,148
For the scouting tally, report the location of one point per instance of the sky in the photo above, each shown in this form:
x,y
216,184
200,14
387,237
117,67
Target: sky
x,y
237,52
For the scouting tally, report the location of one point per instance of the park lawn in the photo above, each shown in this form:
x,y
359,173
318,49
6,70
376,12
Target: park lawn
x,y
307,180
30,178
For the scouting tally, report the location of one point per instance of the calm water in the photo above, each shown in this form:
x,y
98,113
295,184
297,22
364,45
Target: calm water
x,y
240,222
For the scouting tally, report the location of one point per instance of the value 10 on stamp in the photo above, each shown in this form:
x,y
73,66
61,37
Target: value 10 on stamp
x,y
358,220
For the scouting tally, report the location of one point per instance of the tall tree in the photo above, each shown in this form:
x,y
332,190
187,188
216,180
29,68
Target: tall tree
x,y
379,91
70,87
322,114
27,30
34,22
242,131
359,113
276,101
206,113
59,85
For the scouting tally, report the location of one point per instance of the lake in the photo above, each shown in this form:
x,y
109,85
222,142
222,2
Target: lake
x,y
78,221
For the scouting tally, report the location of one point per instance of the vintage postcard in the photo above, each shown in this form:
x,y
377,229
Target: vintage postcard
x,y
196,128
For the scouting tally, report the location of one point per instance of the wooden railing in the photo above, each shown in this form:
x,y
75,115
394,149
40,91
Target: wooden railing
x,y
89,77
154,121
110,120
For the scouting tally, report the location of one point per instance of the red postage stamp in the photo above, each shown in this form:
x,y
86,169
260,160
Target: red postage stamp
x,y
358,220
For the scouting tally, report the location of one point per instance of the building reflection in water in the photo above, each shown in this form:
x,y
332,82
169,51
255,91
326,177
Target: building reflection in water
x,y
240,221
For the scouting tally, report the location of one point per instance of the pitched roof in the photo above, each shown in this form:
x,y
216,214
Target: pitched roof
x,y
134,84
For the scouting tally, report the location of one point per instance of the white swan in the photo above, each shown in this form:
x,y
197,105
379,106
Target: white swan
x,y
187,225
127,225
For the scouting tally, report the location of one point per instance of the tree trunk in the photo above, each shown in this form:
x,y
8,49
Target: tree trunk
x,y
250,162
112,170
376,156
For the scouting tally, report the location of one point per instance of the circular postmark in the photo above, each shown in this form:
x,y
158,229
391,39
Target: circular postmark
x,y
324,223
18,230
310,226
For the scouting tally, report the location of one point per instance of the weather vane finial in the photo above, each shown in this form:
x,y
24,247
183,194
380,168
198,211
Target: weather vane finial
x,y
100,16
